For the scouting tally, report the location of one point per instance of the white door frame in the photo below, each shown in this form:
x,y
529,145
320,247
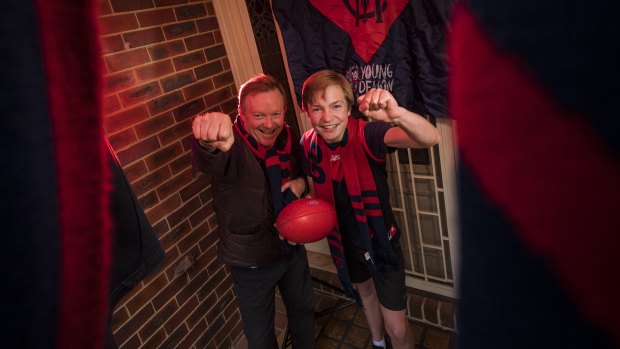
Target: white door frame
x,y
234,22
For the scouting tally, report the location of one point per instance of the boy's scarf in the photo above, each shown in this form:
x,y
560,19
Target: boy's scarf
x,y
349,162
277,162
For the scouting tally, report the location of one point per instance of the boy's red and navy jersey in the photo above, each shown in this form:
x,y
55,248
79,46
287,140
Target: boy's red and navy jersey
x,y
374,133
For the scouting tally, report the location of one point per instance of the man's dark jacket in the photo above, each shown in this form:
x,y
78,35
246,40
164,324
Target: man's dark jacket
x,y
242,203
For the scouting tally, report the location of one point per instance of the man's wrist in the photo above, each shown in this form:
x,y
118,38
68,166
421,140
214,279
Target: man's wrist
x,y
206,146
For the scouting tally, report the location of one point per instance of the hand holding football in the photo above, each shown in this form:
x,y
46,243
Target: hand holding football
x,y
306,220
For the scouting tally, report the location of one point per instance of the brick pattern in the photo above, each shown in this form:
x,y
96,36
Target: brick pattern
x,y
164,62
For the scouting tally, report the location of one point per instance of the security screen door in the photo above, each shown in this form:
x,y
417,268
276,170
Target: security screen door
x,y
423,195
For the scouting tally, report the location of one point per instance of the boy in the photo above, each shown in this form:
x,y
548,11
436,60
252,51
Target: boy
x,y
344,159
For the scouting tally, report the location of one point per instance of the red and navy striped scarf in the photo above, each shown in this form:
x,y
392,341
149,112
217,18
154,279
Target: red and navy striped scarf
x,y
349,162
277,160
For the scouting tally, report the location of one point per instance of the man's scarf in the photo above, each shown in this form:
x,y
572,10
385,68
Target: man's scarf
x,y
349,162
277,162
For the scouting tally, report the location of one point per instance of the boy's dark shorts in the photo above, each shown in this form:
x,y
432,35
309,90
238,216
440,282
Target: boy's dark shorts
x,y
390,285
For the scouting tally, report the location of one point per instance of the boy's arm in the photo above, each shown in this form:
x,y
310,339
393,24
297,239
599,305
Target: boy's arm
x,y
412,131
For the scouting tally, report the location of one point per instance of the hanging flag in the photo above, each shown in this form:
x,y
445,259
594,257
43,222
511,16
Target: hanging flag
x,y
395,45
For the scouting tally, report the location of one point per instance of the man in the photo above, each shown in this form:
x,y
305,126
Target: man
x,y
345,162
254,168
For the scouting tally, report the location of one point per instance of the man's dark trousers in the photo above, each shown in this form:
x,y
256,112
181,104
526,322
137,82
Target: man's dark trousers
x,y
255,289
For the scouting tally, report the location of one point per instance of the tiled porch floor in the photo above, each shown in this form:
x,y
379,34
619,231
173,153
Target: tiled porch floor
x,y
347,329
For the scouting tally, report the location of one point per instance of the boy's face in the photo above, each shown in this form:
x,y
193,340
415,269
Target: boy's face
x,y
329,114
263,116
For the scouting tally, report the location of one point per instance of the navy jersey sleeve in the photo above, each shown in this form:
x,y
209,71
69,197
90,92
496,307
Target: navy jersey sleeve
x,y
374,133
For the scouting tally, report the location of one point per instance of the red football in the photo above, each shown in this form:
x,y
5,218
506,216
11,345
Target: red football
x,y
306,220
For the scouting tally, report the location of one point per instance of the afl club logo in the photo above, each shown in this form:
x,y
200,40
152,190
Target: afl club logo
x,y
364,13
367,22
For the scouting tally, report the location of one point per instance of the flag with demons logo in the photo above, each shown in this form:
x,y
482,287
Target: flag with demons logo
x,y
396,45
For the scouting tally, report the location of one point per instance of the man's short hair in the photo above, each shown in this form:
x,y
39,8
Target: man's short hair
x,y
259,84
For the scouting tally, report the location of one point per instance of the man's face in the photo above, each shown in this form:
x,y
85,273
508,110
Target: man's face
x,y
263,116
329,114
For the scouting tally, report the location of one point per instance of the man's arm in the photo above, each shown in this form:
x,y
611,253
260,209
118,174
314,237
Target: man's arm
x,y
213,138
213,131
412,131
311,193
297,186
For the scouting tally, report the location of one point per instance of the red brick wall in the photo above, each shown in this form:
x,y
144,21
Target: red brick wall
x,y
164,62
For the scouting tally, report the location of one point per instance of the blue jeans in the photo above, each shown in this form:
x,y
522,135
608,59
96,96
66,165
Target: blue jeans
x,y
255,290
